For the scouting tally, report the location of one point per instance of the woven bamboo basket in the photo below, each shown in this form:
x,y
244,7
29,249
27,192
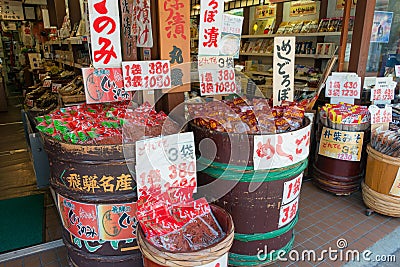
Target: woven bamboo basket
x,y
380,176
187,259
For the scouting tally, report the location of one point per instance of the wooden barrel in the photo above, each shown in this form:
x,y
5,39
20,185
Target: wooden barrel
x,y
381,188
340,177
256,200
214,255
96,198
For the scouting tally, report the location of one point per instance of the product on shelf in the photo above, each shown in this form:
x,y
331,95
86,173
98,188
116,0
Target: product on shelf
x,y
248,116
323,25
104,124
309,26
345,117
74,87
178,224
386,141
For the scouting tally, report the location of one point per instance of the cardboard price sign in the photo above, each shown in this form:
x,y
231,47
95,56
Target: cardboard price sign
x,y
291,189
381,115
93,222
288,212
277,151
342,145
216,75
55,87
165,162
146,75
343,86
104,85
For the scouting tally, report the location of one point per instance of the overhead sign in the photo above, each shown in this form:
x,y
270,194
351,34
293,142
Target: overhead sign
x,y
283,69
301,8
11,10
105,33
265,11
341,3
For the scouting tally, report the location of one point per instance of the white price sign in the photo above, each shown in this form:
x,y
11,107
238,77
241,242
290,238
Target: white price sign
x,y
383,89
211,17
288,212
380,115
277,151
47,83
397,70
216,75
146,75
164,162
346,85
291,189
55,87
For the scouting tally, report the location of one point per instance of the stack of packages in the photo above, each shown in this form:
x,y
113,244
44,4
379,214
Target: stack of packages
x,y
173,221
248,116
346,117
388,141
103,124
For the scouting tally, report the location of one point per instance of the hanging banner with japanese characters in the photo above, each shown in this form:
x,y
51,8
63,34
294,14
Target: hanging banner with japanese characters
x,y
211,16
216,75
381,115
340,4
143,23
146,75
105,33
383,91
11,10
265,11
94,222
343,87
342,145
166,162
230,37
301,8
104,85
174,23
283,66
280,150
129,51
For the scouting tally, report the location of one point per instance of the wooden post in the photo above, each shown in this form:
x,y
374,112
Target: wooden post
x,y
344,34
361,37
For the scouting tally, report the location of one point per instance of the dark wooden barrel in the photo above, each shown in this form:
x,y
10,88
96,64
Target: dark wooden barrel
x,y
339,177
96,198
256,211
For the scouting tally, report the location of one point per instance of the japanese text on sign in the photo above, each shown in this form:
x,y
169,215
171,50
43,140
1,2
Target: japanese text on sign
x,y
55,87
383,89
92,222
11,10
146,75
47,83
381,115
345,85
104,85
288,212
129,51
301,8
143,23
105,33
276,151
93,184
166,162
395,189
211,13
291,189
216,75
265,11
230,35
283,82
342,145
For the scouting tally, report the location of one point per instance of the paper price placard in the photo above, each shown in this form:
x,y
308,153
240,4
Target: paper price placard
x,y
397,70
342,145
216,75
291,189
288,212
165,162
146,75
211,17
55,87
383,89
47,83
380,115
343,85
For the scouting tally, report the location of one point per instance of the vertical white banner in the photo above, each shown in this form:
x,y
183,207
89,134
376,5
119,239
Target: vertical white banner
x,y
211,17
283,66
105,33
142,15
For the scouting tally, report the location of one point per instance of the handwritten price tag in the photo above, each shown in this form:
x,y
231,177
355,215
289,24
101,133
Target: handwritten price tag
x,y
343,86
383,89
47,83
397,70
55,87
165,162
291,189
288,212
380,115
146,75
